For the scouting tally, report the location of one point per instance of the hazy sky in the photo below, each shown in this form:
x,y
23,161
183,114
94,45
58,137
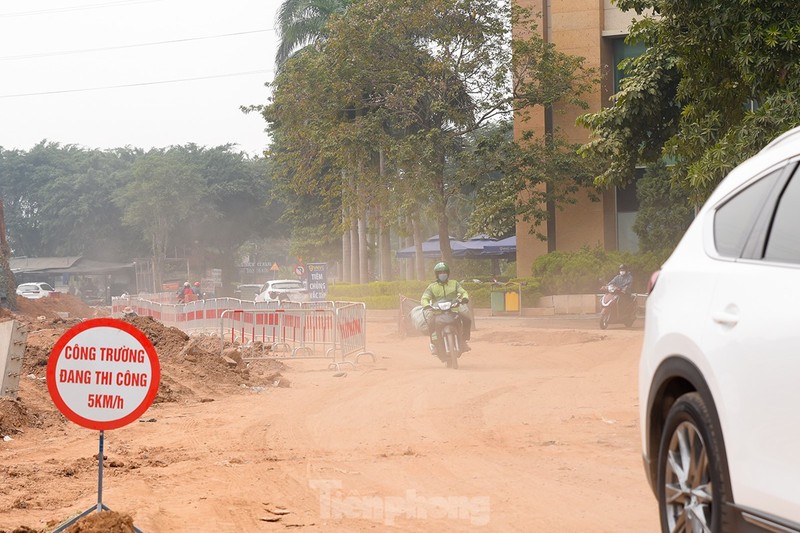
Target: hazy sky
x,y
106,73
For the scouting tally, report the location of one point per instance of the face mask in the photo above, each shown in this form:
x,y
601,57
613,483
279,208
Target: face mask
x,y
621,272
442,277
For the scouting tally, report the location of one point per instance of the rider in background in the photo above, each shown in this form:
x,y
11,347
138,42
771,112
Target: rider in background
x,y
446,289
624,280
186,294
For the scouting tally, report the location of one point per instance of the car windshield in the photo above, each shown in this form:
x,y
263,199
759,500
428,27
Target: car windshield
x,y
287,285
249,288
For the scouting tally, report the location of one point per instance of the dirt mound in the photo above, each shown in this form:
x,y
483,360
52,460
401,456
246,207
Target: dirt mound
x,y
103,522
191,367
14,416
59,306
168,341
194,368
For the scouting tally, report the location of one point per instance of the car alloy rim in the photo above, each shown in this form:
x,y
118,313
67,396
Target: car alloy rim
x,y
688,490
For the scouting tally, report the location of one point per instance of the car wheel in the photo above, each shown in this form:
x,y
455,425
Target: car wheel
x,y
692,474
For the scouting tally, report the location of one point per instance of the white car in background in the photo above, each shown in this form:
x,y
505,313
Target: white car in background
x,y
719,377
35,290
283,290
248,291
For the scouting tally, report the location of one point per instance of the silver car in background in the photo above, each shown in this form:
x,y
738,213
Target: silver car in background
x,y
283,290
35,290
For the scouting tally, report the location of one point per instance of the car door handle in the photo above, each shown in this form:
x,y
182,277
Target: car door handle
x,y
725,318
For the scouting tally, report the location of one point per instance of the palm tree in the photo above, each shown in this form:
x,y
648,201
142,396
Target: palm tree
x,y
301,22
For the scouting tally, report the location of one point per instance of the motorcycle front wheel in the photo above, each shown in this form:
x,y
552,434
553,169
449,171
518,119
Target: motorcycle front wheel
x,y
452,352
605,318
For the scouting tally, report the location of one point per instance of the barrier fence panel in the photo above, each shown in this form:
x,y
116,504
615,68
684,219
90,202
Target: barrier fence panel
x,y
280,333
351,330
264,330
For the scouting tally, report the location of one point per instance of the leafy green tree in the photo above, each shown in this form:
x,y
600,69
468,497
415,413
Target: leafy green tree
x,y
21,179
303,153
57,200
163,189
302,22
7,281
547,171
408,80
234,206
120,204
719,79
79,217
664,212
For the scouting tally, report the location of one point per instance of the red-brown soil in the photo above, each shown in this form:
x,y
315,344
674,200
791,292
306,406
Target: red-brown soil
x,y
536,431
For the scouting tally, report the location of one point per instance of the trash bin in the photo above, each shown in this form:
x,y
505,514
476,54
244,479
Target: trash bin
x,y
498,301
512,301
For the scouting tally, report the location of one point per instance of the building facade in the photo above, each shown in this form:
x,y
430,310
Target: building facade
x,y
594,30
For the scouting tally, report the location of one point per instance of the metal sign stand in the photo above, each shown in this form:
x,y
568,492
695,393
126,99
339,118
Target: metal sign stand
x,y
95,335
100,506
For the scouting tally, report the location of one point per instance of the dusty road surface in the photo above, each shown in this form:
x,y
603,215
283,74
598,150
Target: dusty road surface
x,y
536,432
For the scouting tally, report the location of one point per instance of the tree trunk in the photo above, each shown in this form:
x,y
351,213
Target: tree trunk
x,y
384,247
444,229
444,238
354,252
346,252
354,242
419,259
409,241
347,246
363,248
159,253
386,252
384,241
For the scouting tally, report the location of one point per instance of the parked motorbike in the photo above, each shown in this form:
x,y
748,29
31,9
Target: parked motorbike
x,y
616,307
447,339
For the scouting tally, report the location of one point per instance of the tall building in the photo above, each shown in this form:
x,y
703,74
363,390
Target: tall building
x,y
595,30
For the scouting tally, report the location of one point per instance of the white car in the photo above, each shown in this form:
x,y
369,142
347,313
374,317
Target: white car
x,y
36,290
283,290
719,377
248,291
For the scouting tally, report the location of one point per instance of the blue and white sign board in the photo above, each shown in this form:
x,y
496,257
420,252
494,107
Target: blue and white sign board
x,y
317,281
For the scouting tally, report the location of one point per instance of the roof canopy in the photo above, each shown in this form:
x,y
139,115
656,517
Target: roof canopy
x,y
478,247
76,265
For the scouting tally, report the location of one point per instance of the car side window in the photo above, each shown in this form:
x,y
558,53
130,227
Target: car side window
x,y
783,244
734,219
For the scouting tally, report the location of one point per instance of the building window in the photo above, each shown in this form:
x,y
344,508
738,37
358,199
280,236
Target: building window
x,y
626,198
621,50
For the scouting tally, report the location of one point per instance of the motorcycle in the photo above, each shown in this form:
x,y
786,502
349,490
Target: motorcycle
x,y
612,308
447,339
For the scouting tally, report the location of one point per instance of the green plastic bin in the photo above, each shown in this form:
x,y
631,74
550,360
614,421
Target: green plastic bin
x,y
498,301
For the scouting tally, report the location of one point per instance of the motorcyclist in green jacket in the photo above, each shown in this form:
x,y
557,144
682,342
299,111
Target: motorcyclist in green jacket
x,y
446,289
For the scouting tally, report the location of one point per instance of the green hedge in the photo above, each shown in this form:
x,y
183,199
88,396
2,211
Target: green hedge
x,y
586,270
581,272
386,294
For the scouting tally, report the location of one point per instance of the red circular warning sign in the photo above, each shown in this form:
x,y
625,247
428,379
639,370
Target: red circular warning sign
x,y
103,373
